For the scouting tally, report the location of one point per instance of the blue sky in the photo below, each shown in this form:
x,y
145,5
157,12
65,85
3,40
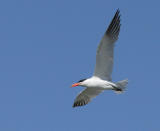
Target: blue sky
x,y
47,45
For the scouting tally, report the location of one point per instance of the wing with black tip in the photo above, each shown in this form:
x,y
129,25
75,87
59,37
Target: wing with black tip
x,y
104,56
86,96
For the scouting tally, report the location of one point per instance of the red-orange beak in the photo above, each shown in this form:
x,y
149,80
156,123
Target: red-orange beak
x,y
76,84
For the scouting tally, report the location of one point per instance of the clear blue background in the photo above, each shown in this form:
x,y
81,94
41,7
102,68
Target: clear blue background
x,y
47,45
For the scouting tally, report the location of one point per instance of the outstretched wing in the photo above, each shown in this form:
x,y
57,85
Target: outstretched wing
x,y
104,56
86,96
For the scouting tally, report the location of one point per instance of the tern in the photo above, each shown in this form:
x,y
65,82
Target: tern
x,y
101,79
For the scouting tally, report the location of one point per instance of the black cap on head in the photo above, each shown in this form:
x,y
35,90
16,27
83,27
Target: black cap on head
x,y
82,80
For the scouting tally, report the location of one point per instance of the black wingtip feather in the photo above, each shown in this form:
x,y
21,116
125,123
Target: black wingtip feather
x,y
114,27
79,103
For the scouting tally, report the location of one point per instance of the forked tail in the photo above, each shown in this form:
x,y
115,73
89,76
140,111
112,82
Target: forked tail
x,y
121,85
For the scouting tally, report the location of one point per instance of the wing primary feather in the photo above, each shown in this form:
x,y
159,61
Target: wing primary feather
x,y
112,22
114,27
118,30
80,103
116,24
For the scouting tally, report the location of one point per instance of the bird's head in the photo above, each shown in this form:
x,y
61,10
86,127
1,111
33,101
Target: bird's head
x,y
79,83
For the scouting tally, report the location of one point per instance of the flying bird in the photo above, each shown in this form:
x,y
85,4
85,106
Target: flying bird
x,y
101,79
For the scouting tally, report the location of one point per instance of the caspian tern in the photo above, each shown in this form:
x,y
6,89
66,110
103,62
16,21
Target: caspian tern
x,y
101,80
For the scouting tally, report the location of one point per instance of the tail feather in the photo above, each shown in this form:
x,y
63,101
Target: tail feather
x,y
121,85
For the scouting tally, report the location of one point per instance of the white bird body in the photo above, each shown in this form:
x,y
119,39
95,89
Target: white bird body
x,y
97,83
101,80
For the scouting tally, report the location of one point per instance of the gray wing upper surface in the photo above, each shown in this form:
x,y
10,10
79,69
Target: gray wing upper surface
x,y
104,56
